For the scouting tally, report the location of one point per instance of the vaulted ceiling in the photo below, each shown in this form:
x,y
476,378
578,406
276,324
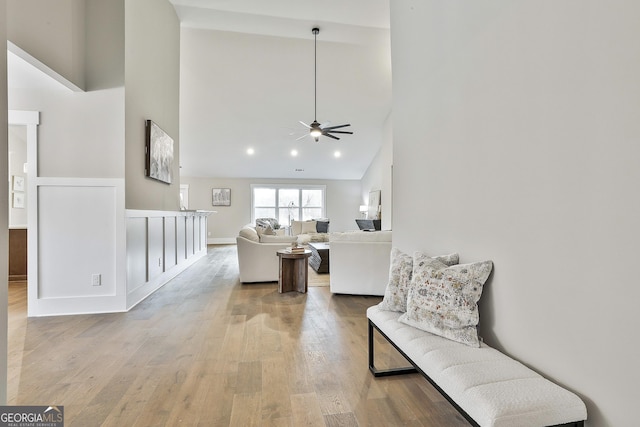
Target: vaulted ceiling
x,y
247,79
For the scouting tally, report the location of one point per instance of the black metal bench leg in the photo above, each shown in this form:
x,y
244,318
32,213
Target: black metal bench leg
x,y
385,372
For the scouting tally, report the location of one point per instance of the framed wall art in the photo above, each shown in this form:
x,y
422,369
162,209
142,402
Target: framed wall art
x,y
18,200
159,153
221,196
18,183
374,205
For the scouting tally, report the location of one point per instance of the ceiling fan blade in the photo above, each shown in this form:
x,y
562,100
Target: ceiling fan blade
x,y
340,131
330,136
336,127
304,124
302,137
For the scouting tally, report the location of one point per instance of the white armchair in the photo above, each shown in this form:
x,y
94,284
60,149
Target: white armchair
x,y
257,261
359,262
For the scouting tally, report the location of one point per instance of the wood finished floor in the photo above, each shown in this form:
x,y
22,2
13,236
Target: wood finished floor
x,y
205,350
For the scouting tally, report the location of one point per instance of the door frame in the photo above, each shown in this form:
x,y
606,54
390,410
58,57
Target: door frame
x,y
30,119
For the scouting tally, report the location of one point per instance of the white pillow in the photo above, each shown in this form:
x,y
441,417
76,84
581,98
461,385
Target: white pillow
x,y
443,300
265,230
296,227
400,274
308,227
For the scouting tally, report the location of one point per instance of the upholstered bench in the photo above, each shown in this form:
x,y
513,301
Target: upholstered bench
x,y
487,387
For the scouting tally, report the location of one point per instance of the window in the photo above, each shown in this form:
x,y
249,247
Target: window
x,y
287,202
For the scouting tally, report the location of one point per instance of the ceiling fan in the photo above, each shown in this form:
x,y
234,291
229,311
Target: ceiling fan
x,y
316,130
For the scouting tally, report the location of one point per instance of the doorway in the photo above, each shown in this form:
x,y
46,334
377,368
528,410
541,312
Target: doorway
x,y
22,155
18,182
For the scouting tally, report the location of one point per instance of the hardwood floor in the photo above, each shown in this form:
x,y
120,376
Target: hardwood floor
x,y
205,350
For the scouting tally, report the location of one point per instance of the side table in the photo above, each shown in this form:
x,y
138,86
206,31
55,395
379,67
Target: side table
x,y
293,270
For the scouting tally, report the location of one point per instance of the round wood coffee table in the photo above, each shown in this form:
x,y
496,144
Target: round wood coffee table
x,y
293,271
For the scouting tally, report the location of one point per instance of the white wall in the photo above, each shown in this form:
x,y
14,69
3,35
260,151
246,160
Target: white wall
x,y
342,199
152,79
81,151
104,54
80,233
73,211
79,175
53,32
516,139
160,245
379,176
80,134
80,138
4,209
134,252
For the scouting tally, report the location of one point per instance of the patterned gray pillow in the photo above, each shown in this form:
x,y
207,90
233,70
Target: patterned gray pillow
x,y
400,274
267,222
266,226
443,299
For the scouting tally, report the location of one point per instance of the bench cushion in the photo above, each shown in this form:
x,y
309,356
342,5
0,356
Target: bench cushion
x,y
492,388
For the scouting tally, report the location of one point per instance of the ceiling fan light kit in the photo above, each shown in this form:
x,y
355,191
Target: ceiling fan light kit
x,y
316,130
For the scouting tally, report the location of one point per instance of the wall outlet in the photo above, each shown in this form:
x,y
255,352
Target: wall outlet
x,y
96,279
209,233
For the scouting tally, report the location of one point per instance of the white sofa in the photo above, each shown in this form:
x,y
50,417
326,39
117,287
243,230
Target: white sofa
x,y
257,259
359,262
310,231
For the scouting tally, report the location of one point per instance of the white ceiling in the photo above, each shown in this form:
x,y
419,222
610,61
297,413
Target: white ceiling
x,y
286,18
247,81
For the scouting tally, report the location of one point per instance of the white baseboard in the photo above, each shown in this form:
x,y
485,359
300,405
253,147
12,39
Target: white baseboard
x,y
221,241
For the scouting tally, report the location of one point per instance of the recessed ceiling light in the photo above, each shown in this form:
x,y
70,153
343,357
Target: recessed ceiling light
x,y
250,151
294,153
337,154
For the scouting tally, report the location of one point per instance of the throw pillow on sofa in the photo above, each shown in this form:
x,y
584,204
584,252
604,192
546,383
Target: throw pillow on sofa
x,y
303,227
400,274
296,227
267,226
266,222
308,227
265,231
443,299
322,225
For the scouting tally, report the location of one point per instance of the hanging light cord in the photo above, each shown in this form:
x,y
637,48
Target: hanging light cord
x,y
315,73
